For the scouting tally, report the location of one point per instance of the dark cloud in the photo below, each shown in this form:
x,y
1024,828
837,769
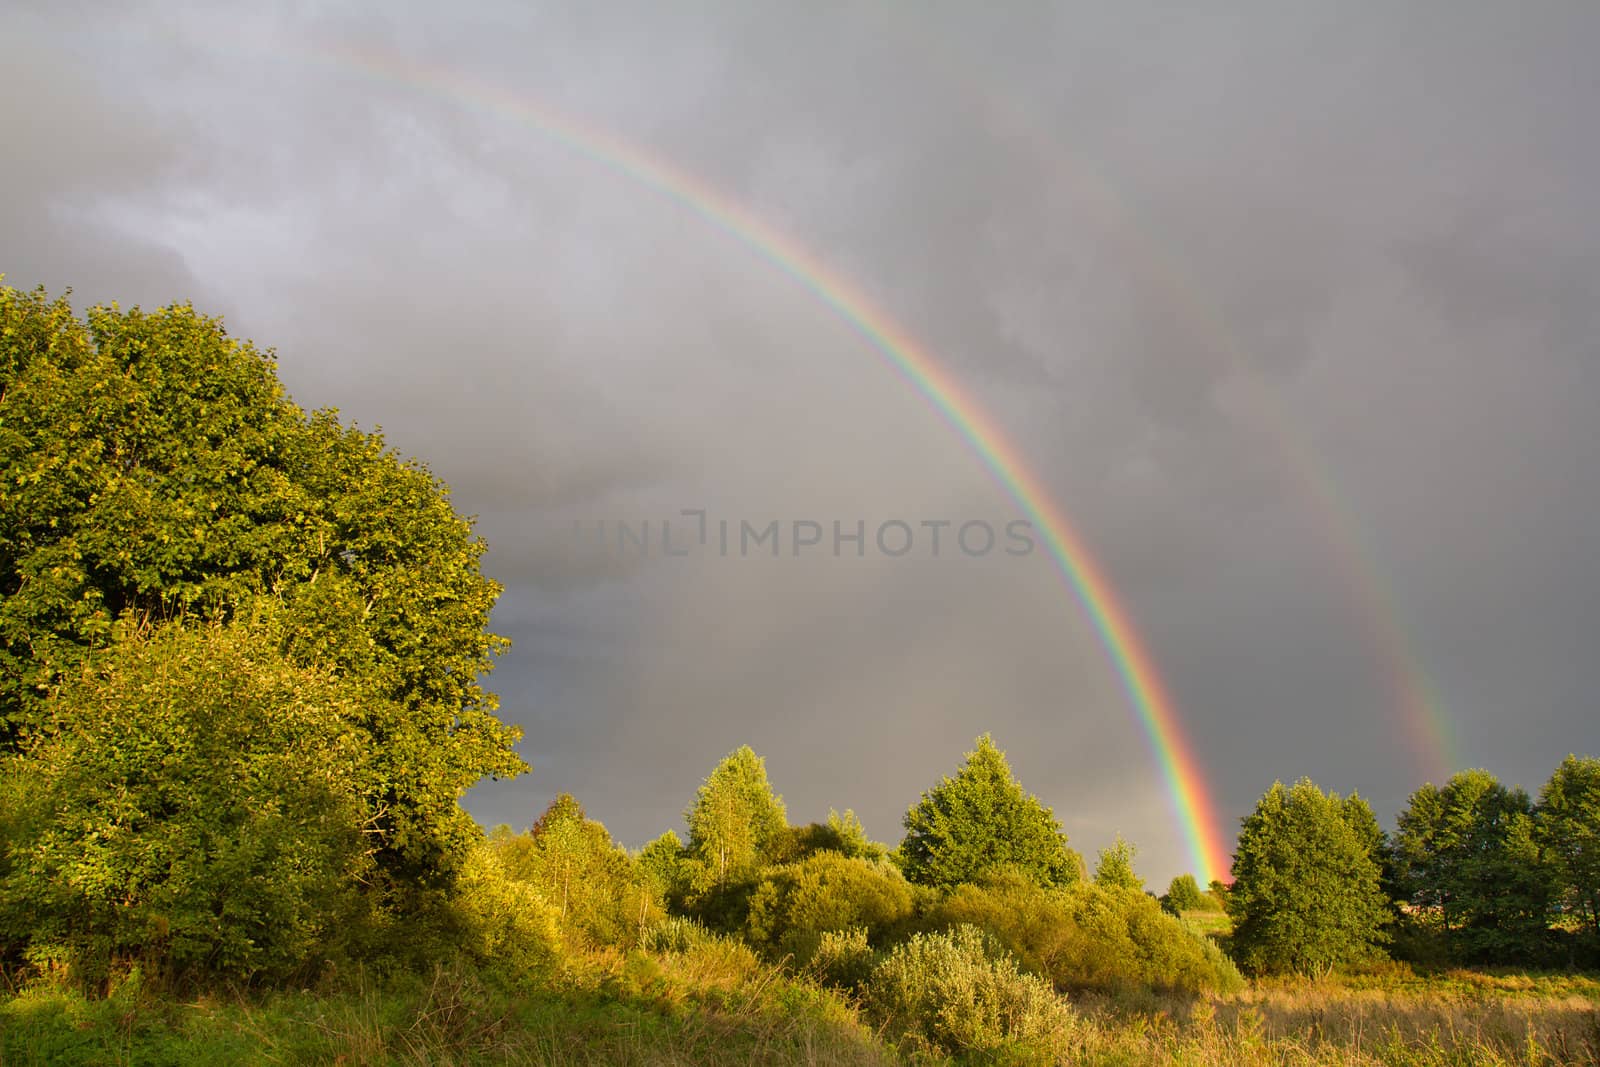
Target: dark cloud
x,y
1290,308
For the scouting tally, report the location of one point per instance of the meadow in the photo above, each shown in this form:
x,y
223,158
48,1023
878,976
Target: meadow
x,y
233,748
720,1004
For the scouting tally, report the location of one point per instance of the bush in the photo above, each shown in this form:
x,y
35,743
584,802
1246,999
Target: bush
x,y
795,903
590,881
675,934
192,802
959,992
1183,894
1088,938
506,922
843,958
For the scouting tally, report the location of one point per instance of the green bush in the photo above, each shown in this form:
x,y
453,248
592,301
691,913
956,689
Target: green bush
x,y
675,934
591,882
843,958
795,903
191,802
1084,937
506,922
1183,894
959,992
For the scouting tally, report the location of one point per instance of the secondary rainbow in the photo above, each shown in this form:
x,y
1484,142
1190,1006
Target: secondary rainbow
x,y
1416,700
1187,790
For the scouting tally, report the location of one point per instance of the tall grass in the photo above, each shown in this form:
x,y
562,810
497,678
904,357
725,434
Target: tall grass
x,y
713,1001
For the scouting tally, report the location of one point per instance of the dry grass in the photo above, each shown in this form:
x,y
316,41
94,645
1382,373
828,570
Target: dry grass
x,y
1476,1019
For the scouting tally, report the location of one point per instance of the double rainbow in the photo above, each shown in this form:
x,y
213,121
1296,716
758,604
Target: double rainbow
x,y
1186,787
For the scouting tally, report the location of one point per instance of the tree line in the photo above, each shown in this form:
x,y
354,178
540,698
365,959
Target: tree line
x,y
1475,872
242,652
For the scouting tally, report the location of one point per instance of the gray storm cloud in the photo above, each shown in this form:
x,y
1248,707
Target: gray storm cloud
x,y
1197,264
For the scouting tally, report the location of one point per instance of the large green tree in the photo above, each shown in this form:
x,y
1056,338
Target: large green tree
x,y
1569,827
1467,855
982,821
154,467
1305,895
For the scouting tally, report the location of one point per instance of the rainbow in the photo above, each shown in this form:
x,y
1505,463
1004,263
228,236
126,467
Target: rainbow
x,y
1414,695
1187,790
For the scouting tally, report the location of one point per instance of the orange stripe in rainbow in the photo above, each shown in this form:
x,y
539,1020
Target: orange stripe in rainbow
x,y
1187,790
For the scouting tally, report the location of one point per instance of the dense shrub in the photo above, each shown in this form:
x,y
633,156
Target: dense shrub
x,y
1084,937
589,880
795,903
843,958
191,800
843,834
504,921
674,933
960,992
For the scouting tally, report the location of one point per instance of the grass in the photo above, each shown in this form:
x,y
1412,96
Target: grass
x,y
1209,923
718,1003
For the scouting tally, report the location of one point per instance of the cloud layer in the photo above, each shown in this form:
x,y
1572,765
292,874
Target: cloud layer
x,y
1293,311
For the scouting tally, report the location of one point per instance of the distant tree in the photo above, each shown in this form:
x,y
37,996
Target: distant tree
x,y
155,468
851,836
843,834
660,866
1569,827
1467,854
737,823
586,878
1183,894
1115,869
982,821
1305,895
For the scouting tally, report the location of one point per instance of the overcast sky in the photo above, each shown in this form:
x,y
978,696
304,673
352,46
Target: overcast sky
x,y
1292,308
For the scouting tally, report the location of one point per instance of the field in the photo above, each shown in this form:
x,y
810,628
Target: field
x,y
719,1004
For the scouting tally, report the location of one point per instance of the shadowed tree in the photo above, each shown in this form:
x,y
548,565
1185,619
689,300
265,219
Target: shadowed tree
x,y
1467,854
982,821
1305,894
1569,828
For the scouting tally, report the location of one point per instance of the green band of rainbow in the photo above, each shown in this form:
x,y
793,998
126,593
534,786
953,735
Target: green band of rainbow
x,y
1186,787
